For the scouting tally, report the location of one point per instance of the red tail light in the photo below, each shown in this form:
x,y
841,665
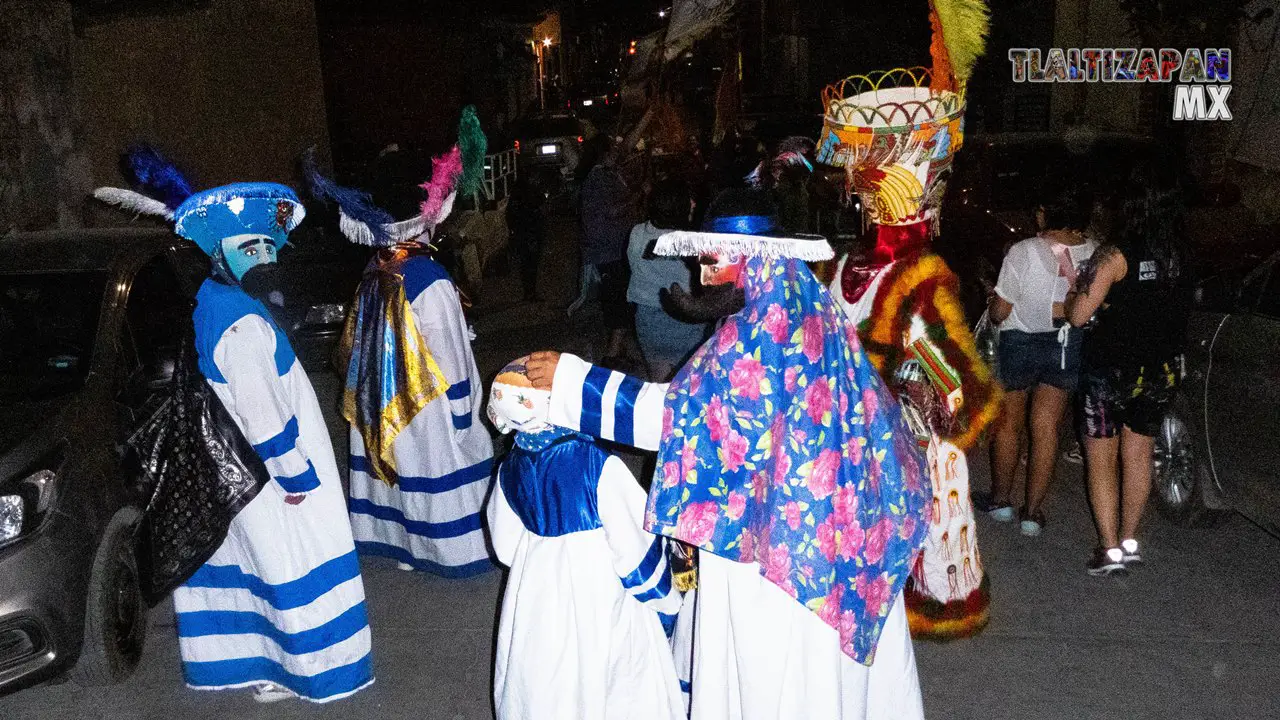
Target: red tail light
x,y
580,138
517,146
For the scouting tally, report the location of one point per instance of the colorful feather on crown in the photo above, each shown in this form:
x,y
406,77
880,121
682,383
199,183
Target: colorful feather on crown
x,y
959,38
163,184
446,171
360,219
474,146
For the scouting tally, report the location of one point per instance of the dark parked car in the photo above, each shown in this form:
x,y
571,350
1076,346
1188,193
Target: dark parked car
x,y
1218,449
550,142
90,324
598,101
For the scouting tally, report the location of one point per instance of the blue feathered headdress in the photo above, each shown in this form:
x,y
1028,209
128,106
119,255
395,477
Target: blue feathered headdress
x,y
359,218
163,185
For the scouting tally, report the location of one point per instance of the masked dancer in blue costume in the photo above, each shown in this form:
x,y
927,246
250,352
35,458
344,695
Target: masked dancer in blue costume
x,y
280,606
590,593
420,457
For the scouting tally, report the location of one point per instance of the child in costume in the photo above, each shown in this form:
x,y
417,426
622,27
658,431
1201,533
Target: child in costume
x,y
420,457
783,459
895,134
588,603
280,605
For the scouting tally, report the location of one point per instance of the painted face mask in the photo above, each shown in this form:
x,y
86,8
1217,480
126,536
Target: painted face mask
x,y
720,269
245,252
514,404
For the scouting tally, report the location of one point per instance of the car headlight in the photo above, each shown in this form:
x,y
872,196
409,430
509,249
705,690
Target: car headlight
x,y
11,516
26,505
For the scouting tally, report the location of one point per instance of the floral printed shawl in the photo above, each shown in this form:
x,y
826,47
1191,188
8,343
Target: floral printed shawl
x,y
782,446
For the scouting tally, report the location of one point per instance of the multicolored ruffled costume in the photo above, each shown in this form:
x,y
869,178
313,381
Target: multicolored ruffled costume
x,y
895,134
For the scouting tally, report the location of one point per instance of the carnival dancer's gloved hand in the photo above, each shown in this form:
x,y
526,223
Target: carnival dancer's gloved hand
x,y
713,303
541,368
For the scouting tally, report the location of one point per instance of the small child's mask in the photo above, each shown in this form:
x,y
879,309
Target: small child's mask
x,y
515,405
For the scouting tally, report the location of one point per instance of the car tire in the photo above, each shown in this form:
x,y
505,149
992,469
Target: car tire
x,y
1179,474
115,626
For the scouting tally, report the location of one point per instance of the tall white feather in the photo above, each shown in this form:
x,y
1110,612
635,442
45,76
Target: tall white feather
x,y
134,202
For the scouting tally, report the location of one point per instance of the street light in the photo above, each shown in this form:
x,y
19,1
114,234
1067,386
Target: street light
x,y
546,42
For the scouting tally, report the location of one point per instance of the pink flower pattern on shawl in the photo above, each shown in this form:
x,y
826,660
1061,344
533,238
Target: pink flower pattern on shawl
x,y
793,455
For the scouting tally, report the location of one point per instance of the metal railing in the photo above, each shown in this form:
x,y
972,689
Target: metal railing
x,y
500,170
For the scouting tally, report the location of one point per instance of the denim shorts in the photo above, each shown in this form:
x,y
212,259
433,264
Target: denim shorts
x,y
1029,359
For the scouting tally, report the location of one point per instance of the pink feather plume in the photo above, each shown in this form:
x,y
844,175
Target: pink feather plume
x,y
446,169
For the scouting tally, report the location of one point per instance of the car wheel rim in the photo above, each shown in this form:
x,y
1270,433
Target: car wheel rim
x,y
126,630
1173,463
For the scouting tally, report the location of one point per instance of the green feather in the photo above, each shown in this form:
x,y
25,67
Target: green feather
x,y
964,31
474,145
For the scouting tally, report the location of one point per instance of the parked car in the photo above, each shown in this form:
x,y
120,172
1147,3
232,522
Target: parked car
x,y
90,324
549,141
599,101
1217,449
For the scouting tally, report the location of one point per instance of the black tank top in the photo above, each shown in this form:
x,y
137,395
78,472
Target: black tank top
x,y
1144,319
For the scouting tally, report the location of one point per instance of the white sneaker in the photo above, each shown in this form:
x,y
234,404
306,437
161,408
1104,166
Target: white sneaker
x,y
406,567
1106,561
271,693
1131,555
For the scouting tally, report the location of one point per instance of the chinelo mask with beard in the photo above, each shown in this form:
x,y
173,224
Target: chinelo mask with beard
x,y
264,283
740,224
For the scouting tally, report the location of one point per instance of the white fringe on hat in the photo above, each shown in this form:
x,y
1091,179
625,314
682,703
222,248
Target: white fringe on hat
x,y
685,243
403,231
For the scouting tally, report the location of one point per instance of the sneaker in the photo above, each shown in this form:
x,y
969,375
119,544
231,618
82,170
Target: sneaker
x,y
405,566
1031,525
1001,513
271,693
984,502
1106,562
1131,555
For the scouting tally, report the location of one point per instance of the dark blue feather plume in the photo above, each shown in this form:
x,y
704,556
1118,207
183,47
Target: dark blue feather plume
x,y
158,176
356,204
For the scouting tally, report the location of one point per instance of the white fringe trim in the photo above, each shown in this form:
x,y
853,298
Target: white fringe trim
x,y
134,202
360,232
684,243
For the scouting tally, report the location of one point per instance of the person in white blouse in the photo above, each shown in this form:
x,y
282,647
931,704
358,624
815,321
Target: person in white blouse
x,y
1039,352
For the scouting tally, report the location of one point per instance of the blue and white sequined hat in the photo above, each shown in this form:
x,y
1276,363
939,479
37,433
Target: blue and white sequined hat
x,y
209,216
256,208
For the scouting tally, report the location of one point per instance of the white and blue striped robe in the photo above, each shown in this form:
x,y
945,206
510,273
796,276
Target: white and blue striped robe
x,y
281,600
431,519
588,604
747,650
